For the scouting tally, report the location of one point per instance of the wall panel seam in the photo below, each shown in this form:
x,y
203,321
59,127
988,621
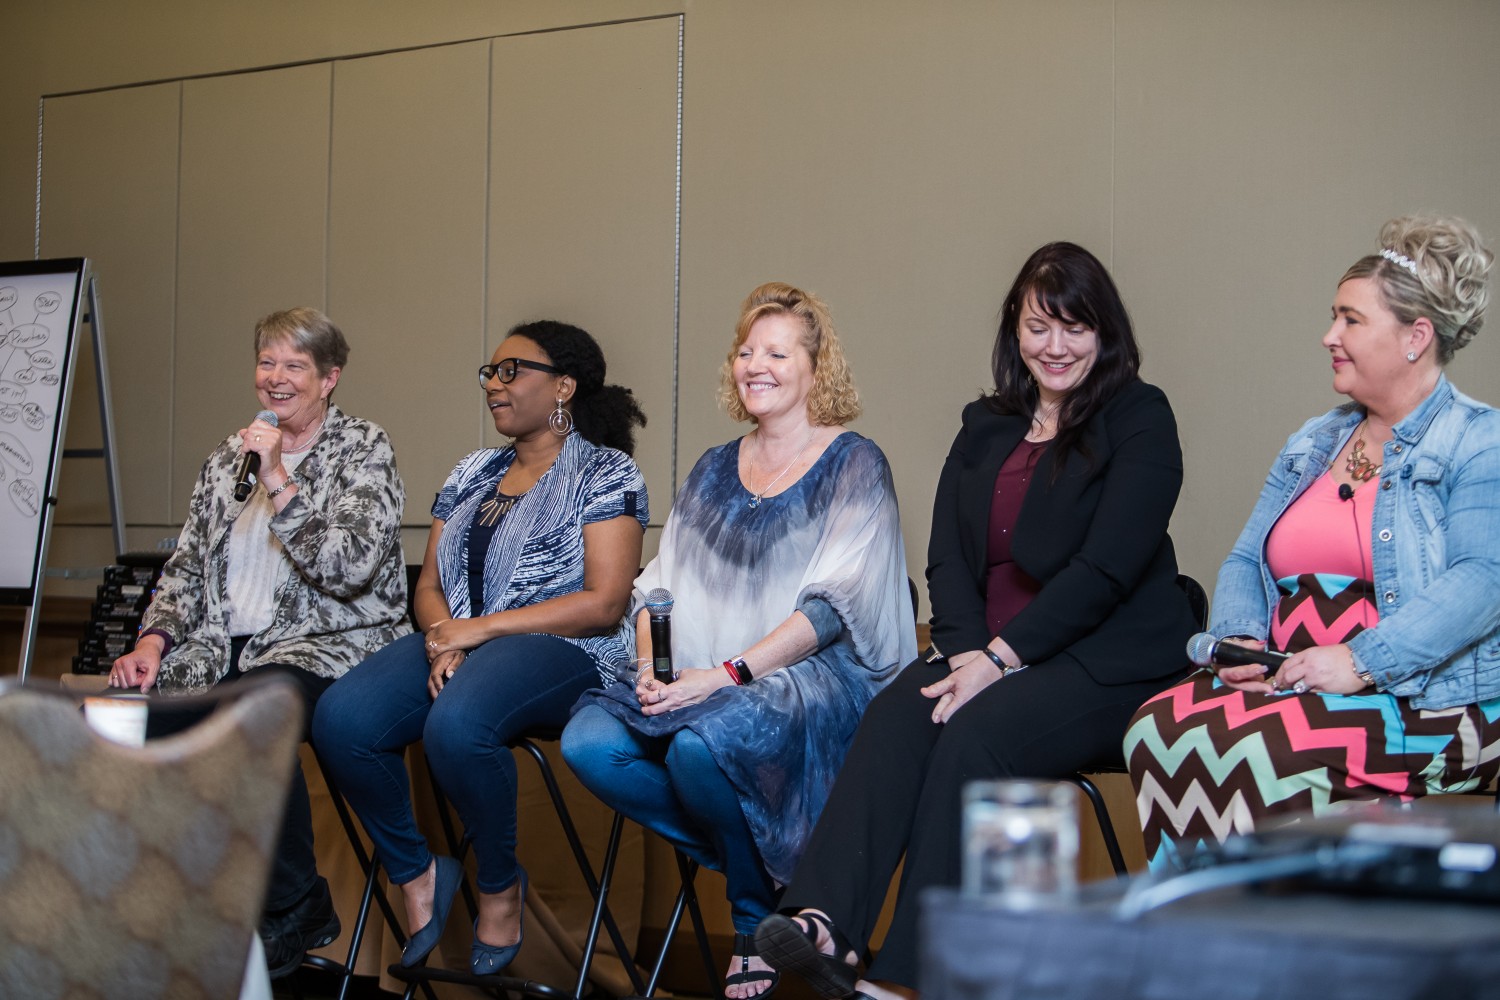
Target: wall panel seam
x,y
176,320
484,238
677,257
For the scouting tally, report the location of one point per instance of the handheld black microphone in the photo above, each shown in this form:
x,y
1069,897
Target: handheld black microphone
x,y
249,462
1206,650
1346,492
659,607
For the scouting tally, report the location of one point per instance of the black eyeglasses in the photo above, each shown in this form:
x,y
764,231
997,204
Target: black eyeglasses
x,y
506,370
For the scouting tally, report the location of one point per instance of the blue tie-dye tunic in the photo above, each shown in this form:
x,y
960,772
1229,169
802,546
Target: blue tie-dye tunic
x,y
736,572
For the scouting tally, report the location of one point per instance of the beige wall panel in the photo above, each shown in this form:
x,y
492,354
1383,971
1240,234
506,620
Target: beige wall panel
x,y
901,159
252,239
57,46
406,253
902,166
110,194
582,204
1260,146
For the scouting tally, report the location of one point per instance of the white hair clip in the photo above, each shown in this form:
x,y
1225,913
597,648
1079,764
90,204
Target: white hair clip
x,y
1399,259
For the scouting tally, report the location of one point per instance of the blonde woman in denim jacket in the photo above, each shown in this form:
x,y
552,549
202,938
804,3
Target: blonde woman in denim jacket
x,y
1373,559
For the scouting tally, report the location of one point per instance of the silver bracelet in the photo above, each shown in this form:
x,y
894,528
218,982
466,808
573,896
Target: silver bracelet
x,y
273,494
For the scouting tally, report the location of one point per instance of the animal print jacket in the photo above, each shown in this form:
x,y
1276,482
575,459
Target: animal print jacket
x,y
346,596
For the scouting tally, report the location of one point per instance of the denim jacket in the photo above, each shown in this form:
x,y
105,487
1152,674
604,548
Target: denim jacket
x,y
1436,539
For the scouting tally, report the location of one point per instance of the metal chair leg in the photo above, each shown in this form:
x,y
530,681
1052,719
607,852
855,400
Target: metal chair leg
x,y
686,902
1106,827
459,845
370,865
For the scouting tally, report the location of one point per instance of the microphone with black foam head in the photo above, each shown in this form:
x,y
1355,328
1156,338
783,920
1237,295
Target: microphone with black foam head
x,y
249,463
659,609
1346,492
1207,650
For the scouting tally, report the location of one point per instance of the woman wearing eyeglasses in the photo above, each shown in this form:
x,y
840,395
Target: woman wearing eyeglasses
x,y
528,571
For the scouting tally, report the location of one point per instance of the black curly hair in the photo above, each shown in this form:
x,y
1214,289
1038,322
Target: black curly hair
x,y
604,414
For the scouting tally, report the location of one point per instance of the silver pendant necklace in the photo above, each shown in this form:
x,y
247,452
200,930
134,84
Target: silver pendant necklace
x,y
757,497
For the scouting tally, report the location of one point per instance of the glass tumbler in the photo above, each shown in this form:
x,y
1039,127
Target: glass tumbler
x,y
1020,846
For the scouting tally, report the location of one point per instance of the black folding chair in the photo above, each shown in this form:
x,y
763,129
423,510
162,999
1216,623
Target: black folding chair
x,y
598,888
370,866
1198,602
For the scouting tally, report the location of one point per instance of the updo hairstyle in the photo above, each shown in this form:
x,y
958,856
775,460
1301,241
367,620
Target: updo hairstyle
x,y
1450,284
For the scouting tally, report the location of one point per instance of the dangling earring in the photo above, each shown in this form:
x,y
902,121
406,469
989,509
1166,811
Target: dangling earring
x,y
561,421
1411,356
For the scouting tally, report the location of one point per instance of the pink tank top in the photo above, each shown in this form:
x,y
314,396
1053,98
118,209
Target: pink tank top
x,y
1320,554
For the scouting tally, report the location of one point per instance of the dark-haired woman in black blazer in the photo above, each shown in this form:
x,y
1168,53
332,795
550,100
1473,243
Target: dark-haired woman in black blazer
x,y
1055,614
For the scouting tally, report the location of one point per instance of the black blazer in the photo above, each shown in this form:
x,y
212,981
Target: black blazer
x,y
1096,538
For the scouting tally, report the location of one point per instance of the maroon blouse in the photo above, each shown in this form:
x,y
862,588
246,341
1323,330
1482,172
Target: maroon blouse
x,y
1007,588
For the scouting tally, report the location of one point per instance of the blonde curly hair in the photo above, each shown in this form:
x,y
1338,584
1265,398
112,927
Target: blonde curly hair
x,y
833,399
1450,285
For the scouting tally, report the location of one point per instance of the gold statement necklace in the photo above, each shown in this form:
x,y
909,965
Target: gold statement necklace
x,y
1360,468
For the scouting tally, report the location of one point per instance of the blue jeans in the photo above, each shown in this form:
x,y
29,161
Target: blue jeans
x,y
506,686
672,786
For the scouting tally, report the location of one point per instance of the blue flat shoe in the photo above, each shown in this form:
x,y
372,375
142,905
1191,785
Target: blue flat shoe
x,y
449,875
488,959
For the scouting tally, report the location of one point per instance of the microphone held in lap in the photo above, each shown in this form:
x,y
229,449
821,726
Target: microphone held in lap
x,y
659,608
1207,650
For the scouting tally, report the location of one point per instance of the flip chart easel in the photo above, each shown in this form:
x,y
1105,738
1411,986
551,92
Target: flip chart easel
x,y
41,307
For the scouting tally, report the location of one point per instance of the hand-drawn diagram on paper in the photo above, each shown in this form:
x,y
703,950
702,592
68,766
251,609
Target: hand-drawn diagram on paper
x,y
36,312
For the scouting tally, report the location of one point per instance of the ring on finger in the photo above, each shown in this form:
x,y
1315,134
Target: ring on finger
x,y
1300,687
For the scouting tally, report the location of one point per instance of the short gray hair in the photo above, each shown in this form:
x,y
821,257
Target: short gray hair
x,y
307,330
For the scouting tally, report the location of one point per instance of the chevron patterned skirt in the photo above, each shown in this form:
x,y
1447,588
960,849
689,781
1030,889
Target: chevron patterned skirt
x,y
1208,760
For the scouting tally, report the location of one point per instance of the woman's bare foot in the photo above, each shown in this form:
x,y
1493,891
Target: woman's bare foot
x,y
418,895
752,986
810,947
500,916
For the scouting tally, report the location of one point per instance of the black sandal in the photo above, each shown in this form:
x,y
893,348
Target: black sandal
x,y
744,947
788,946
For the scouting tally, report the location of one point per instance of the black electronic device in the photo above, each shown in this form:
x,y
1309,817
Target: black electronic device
x,y
1206,650
659,609
1439,852
1433,851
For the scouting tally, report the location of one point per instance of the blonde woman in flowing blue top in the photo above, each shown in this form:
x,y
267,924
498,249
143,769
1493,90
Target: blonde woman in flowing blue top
x,y
783,554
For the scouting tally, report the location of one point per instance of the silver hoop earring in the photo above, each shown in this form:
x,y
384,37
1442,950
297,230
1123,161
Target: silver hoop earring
x,y
561,421
1411,356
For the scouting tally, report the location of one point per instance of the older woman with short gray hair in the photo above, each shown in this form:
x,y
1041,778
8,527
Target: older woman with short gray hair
x,y
303,576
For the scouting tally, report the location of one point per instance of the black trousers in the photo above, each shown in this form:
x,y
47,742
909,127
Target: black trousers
x,y
294,868
900,788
